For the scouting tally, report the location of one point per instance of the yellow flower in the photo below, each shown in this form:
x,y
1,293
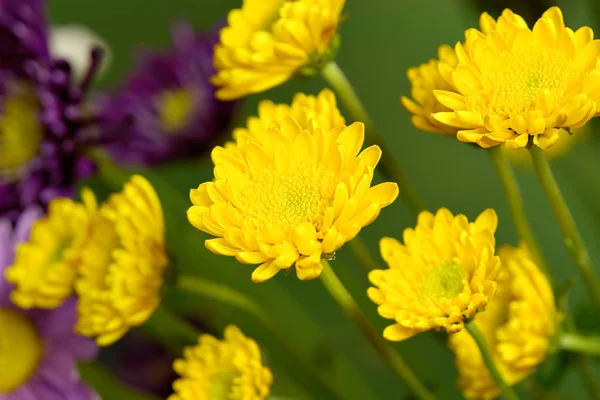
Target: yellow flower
x,y
424,79
443,274
289,197
123,261
45,267
228,369
518,325
513,84
268,42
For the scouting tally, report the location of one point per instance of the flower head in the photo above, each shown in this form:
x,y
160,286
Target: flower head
x,y
167,108
46,265
38,349
122,263
514,85
424,80
286,196
228,369
268,42
518,325
443,274
43,130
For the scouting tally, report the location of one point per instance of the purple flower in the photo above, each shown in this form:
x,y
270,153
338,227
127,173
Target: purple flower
x,y
167,108
43,131
40,360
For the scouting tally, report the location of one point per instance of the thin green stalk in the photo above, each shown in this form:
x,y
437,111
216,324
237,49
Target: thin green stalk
x,y
333,74
107,385
171,330
517,207
361,252
488,359
580,344
344,299
216,292
573,239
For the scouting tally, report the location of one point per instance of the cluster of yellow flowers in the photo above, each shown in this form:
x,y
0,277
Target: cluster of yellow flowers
x,y
112,257
295,185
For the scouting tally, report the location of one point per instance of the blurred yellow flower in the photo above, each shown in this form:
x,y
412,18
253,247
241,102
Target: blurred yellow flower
x,y
228,369
424,79
290,197
518,325
513,84
268,42
442,275
45,267
122,264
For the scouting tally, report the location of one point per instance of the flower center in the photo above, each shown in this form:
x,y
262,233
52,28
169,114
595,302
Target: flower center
x,y
175,108
445,281
519,77
284,198
21,349
221,385
20,134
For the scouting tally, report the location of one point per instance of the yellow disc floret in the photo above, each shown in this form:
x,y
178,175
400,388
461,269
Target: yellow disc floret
x,y
21,350
267,42
228,369
443,274
518,325
517,86
290,197
45,267
122,265
175,108
20,133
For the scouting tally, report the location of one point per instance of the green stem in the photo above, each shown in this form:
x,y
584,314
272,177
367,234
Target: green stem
x,y
333,74
362,253
107,385
170,330
517,207
344,299
488,359
573,239
216,292
586,371
580,344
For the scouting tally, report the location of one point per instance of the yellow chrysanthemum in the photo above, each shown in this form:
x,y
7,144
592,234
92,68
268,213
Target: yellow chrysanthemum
x,y
268,42
122,264
443,274
424,79
513,84
228,369
45,267
289,197
518,325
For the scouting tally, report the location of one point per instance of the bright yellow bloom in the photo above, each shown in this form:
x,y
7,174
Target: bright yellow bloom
x,y
122,264
22,350
424,79
45,267
513,84
518,325
228,369
290,197
443,274
268,42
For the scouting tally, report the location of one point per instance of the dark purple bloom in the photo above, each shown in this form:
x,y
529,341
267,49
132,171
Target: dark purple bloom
x,y
167,108
43,133
51,370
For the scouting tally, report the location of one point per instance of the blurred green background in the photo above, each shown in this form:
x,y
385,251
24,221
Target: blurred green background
x,y
380,40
